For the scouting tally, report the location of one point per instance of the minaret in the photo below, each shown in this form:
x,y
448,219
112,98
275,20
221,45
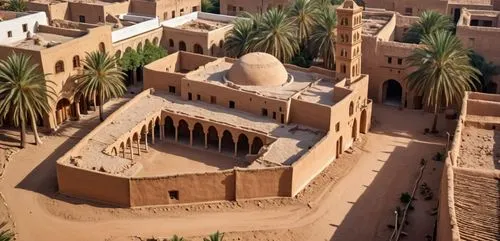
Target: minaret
x,y
348,46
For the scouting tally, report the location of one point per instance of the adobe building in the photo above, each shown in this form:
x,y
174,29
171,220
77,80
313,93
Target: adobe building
x,y
236,7
97,11
208,129
470,184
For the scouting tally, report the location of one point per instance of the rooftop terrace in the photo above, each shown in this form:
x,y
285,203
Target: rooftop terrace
x,y
199,22
41,41
374,21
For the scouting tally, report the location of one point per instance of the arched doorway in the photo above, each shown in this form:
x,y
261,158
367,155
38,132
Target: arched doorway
x,y
155,41
169,128
139,47
157,128
392,93
198,135
198,49
213,50
338,147
363,128
122,150
183,132
354,132
256,145
243,145
63,110
213,138
182,46
227,143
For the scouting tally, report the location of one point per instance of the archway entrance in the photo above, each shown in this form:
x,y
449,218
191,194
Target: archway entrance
x,y
227,143
354,133
212,138
198,135
256,145
169,128
243,145
363,127
183,132
63,111
338,148
392,93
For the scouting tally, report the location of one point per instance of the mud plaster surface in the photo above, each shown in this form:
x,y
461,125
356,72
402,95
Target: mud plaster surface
x,y
479,148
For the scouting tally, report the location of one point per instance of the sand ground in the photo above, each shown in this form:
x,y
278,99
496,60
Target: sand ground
x,y
353,199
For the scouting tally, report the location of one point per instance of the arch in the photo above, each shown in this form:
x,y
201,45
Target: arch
x,y
243,146
197,49
63,110
169,128
212,138
392,93
143,136
342,38
156,127
351,108
139,46
338,148
212,49
344,68
128,49
221,48
59,67
198,135
227,143
147,42
257,144
76,61
155,41
182,46
363,127
128,145
118,54
113,152
171,43
354,132
183,134
122,149
102,47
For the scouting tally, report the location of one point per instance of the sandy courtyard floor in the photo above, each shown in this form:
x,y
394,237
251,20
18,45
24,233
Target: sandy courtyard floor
x,y
357,205
479,148
165,158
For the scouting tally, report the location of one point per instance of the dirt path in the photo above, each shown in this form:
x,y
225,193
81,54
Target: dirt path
x,y
364,198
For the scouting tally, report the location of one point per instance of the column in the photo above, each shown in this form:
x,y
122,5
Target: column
x,y
190,137
131,151
153,134
58,117
235,149
220,144
139,145
146,141
206,140
249,148
162,132
77,110
176,134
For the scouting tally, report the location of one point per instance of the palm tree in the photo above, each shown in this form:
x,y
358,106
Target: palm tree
x,y
174,238
323,37
5,235
303,14
443,72
26,93
277,35
217,236
17,5
487,69
239,38
428,23
101,77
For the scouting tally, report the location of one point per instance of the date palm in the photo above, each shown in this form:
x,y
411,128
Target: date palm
x,y
217,236
25,93
276,35
443,72
428,23
239,38
323,37
5,234
177,238
303,14
101,77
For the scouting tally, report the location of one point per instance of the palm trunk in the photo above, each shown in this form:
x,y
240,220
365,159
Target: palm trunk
x,y
134,76
94,100
23,134
38,141
101,103
434,124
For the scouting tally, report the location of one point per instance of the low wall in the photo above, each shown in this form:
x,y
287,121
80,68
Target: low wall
x,y
131,31
302,111
483,108
447,229
92,185
258,183
190,187
75,33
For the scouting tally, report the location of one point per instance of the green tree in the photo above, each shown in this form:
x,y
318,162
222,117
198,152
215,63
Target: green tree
x,y
239,38
487,69
101,77
428,23
25,93
16,5
5,234
217,236
150,53
131,60
443,72
210,6
323,37
174,238
277,35
303,13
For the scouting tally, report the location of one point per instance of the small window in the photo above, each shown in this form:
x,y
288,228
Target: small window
x,y
231,104
408,11
81,18
281,109
182,11
173,14
241,9
59,66
9,34
400,61
174,195
474,22
190,96
264,112
274,115
195,8
171,43
213,100
337,127
25,28
198,97
171,89
76,61
389,60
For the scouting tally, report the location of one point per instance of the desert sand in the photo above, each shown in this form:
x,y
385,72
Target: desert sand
x,y
358,190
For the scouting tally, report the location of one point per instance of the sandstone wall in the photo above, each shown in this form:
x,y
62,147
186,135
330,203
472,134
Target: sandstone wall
x,y
258,183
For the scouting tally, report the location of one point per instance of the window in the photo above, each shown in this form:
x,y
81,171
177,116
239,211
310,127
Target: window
x,y
241,9
474,22
351,108
389,60
173,14
9,34
213,100
182,11
102,47
76,61
198,49
190,96
25,28
337,127
274,115
81,18
198,97
195,8
400,61
59,66
171,43
182,46
281,109
165,15
264,112
171,89
487,23
231,104
408,11
174,195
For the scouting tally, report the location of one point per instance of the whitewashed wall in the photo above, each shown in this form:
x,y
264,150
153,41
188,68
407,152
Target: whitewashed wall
x,y
131,31
16,26
177,21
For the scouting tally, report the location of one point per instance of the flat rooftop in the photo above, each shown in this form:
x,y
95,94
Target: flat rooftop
x,y
202,25
291,142
479,148
374,21
41,41
199,22
94,2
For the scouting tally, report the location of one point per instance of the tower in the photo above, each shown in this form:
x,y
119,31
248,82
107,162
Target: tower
x,y
348,49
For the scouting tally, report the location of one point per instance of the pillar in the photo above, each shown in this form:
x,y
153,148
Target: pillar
x,y
176,134
139,146
77,110
162,132
235,149
249,148
206,140
131,151
220,144
191,137
146,141
153,133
